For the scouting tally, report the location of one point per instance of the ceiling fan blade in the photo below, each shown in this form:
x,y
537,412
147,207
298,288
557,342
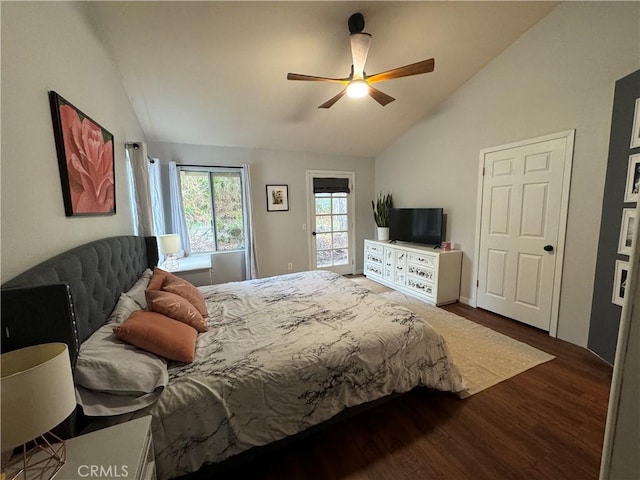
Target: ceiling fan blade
x,y
425,66
333,100
310,78
380,97
360,43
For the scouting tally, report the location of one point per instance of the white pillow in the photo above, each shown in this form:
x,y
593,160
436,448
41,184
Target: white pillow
x,y
123,310
136,293
107,364
98,404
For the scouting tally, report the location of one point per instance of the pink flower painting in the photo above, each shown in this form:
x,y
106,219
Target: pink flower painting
x,y
88,157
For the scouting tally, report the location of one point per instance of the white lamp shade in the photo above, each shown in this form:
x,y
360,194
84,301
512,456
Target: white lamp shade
x,y
37,392
168,244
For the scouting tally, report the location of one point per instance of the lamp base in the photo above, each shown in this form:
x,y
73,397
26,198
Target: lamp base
x,y
43,461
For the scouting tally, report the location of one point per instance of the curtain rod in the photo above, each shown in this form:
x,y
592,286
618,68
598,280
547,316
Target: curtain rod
x,y
188,165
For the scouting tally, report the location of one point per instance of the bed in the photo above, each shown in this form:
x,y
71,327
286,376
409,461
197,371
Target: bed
x,y
281,354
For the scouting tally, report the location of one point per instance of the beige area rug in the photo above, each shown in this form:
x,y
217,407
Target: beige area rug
x,y
483,356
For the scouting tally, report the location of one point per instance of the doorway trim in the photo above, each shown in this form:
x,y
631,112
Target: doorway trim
x,y
569,136
311,174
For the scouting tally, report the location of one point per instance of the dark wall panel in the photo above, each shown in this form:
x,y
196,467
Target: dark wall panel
x,y
605,315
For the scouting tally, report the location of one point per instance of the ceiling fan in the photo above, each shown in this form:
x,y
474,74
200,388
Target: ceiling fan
x,y
358,84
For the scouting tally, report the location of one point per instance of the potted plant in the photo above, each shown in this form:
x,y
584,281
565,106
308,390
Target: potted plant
x,y
381,209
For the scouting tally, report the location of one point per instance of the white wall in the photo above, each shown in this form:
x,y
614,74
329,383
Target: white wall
x,y
279,235
560,75
49,46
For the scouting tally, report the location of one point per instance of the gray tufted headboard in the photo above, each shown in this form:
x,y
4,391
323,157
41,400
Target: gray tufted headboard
x,y
68,297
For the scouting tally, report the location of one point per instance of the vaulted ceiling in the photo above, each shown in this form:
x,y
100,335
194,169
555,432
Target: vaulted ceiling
x,y
214,73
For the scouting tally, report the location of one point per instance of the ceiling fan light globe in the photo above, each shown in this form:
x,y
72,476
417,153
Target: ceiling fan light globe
x,y
357,89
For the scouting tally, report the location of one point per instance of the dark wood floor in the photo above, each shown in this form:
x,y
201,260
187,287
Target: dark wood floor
x,y
546,423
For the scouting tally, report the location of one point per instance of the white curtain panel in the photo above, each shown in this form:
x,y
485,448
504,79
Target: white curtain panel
x,y
177,209
155,189
143,218
250,261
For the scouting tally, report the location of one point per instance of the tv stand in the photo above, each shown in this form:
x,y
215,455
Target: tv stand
x,y
425,272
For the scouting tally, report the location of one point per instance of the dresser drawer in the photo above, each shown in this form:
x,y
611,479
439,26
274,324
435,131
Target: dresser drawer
x,y
373,257
422,272
374,247
400,267
372,269
420,286
422,259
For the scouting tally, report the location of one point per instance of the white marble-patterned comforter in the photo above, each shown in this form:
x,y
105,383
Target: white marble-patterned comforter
x,y
283,354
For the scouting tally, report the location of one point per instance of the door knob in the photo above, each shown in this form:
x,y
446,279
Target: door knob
x,y
548,248
313,233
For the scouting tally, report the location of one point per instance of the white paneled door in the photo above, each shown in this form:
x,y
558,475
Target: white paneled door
x,y
522,224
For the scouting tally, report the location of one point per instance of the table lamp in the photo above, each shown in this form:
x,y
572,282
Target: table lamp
x,y
170,245
37,394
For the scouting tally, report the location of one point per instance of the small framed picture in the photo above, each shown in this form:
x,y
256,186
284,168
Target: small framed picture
x,y
635,133
277,198
633,179
626,231
620,282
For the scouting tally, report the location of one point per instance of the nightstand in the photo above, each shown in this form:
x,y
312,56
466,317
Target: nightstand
x,y
123,451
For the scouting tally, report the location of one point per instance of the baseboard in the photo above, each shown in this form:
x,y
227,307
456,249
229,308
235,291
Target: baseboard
x,y
466,301
595,354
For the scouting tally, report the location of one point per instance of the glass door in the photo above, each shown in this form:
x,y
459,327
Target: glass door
x,y
331,227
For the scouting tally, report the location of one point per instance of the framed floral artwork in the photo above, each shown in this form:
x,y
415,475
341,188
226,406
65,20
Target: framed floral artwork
x,y
277,198
85,159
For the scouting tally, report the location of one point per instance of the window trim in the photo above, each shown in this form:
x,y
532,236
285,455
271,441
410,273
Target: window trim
x,y
213,170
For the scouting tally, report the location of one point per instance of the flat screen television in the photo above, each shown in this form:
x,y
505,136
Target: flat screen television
x,y
417,225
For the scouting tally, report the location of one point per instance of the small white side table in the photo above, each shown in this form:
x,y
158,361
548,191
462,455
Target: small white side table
x,y
123,451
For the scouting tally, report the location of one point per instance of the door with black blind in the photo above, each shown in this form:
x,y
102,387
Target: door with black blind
x,y
331,221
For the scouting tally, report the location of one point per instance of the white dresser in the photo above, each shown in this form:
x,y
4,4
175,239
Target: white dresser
x,y
424,272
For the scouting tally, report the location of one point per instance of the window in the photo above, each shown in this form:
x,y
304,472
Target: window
x,y
213,208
